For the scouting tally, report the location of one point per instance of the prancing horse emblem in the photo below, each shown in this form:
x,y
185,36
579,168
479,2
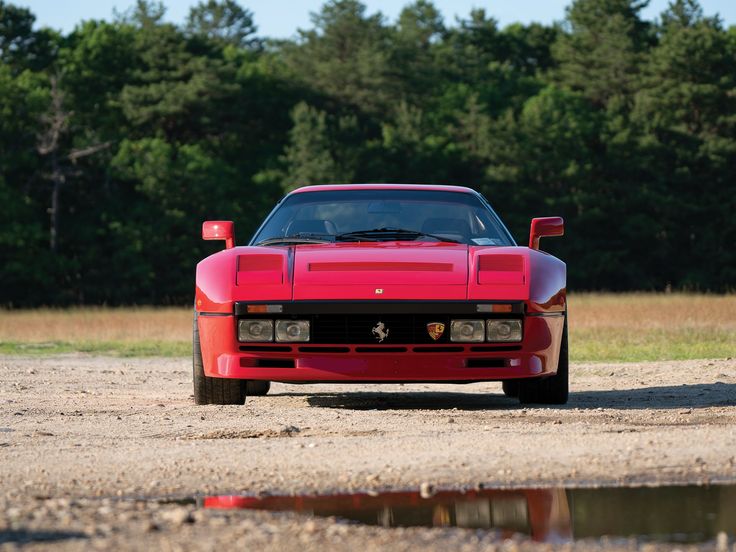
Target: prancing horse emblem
x,y
435,330
379,332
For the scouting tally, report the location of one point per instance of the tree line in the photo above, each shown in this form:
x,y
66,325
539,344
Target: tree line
x,y
119,138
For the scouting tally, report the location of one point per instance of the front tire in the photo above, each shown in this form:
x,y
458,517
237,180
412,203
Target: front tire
x,y
256,388
552,389
511,388
212,390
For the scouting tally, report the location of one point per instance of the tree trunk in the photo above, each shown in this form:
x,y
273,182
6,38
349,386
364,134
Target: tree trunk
x,y
57,178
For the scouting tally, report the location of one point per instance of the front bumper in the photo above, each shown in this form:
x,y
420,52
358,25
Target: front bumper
x,y
537,355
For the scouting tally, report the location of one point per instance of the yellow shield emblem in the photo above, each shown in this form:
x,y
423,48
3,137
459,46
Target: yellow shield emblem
x,y
435,330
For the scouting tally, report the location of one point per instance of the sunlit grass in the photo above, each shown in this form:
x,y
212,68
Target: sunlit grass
x,y
115,348
137,331
642,326
603,327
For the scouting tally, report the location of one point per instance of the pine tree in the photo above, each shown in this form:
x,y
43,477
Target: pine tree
x,y
346,57
308,157
223,22
600,52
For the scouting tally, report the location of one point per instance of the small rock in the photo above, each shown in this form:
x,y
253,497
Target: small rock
x,y
722,542
426,490
178,516
289,430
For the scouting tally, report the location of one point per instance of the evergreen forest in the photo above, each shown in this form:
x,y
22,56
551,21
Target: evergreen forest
x,y
119,138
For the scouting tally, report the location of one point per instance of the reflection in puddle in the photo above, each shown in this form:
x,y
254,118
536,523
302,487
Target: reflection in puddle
x,y
667,514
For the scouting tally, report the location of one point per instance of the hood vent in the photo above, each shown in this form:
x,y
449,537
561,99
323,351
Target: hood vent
x,y
501,270
260,269
379,266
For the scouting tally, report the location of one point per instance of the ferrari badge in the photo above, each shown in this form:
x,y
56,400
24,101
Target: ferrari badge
x,y
380,331
435,330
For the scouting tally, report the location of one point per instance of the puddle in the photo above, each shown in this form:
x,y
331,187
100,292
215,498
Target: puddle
x,y
687,514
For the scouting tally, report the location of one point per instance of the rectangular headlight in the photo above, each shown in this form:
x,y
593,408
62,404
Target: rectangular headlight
x,y
467,330
503,330
292,330
255,330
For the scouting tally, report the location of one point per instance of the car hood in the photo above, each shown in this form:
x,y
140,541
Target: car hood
x,y
382,270
399,271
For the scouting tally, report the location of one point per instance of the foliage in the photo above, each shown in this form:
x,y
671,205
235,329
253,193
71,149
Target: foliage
x,y
119,138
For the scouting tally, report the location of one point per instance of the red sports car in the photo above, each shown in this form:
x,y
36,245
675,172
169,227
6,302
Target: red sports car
x,y
381,283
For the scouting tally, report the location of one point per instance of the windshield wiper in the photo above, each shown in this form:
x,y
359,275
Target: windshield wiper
x,y
296,239
378,234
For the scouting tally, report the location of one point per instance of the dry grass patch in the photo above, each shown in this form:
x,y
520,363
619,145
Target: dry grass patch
x,y
647,326
603,327
97,324
130,331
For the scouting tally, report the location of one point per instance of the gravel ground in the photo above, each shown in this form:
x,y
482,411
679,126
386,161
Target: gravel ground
x,y
84,440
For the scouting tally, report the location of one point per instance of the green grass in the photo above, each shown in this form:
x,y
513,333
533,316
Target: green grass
x,y
113,348
675,344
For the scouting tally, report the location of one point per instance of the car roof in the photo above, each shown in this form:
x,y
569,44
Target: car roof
x,y
336,187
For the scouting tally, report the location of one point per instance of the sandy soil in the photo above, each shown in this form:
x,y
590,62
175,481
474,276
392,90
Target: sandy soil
x,y
83,437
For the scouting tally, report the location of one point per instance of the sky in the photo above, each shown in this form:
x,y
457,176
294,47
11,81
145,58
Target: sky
x,y
282,18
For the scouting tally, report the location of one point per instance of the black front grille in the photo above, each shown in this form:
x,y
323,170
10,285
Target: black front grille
x,y
404,323
358,328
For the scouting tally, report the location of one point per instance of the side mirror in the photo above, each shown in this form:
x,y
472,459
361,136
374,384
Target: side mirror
x,y
219,230
545,226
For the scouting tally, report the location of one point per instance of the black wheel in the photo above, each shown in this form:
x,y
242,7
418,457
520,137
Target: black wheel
x,y
511,388
212,390
255,388
552,389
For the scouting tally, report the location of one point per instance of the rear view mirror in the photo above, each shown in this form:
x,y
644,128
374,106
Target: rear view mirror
x,y
219,230
545,226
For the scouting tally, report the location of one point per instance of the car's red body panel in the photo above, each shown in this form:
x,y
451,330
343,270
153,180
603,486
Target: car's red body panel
x,y
419,187
403,270
381,272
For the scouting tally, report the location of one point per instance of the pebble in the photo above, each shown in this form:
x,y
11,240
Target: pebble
x,y
177,516
426,490
722,542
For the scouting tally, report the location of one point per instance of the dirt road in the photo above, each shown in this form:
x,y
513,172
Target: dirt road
x,y
79,435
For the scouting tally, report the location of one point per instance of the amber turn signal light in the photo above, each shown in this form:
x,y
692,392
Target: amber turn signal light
x,y
264,308
496,307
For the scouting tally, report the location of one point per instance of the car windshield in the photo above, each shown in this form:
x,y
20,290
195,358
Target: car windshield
x,y
383,215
